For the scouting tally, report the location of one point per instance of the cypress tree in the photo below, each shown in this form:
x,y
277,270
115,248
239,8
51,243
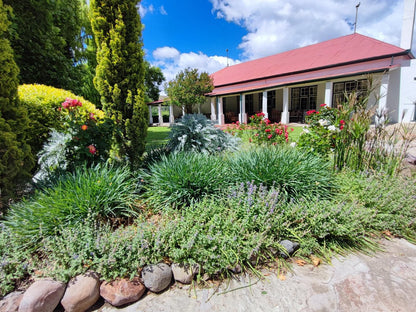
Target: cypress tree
x,y
16,159
120,71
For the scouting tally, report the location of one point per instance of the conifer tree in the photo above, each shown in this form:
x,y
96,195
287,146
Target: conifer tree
x,y
16,159
120,71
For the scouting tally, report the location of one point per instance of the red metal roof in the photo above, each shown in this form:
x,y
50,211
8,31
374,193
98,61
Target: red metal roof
x,y
340,51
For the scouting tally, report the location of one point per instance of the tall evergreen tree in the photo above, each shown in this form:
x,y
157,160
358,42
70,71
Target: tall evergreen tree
x,y
46,39
16,159
120,71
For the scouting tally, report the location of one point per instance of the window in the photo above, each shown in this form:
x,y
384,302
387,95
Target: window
x,y
343,89
249,104
271,100
303,98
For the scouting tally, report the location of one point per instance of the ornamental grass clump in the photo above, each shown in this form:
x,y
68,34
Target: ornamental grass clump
x,y
295,173
103,191
181,178
195,133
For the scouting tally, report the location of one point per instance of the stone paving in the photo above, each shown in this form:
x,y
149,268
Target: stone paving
x,y
384,281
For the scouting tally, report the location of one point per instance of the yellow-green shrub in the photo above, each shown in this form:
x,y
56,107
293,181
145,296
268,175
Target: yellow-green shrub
x,y
42,103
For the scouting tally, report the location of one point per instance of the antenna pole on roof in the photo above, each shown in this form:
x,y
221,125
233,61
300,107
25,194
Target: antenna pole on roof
x,y
356,15
227,57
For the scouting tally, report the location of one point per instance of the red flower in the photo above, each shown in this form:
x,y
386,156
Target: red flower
x,y
267,130
270,136
267,121
92,149
291,129
342,122
341,127
322,105
310,112
260,114
84,127
92,116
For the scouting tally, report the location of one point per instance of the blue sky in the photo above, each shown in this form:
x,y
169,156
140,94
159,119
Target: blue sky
x,y
196,33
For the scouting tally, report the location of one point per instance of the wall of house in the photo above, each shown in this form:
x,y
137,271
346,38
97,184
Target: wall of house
x,y
408,92
320,98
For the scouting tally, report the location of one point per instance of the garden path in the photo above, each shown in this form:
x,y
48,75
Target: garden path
x,y
384,281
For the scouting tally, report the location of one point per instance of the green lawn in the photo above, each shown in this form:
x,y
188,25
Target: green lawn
x,y
157,136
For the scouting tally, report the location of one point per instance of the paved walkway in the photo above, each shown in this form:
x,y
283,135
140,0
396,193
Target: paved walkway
x,y
385,281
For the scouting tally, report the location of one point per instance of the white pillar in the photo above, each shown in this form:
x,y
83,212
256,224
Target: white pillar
x,y
171,115
264,105
213,116
242,116
285,113
159,110
220,111
382,100
328,93
407,24
183,110
150,115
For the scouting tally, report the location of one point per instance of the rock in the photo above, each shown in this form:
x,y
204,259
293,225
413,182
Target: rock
x,y
122,291
289,248
184,273
411,159
82,292
11,302
157,277
42,296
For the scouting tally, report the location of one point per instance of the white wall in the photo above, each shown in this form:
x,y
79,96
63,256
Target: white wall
x,y
407,91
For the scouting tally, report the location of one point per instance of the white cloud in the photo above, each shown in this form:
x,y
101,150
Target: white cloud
x,y
162,10
278,25
171,61
144,10
165,53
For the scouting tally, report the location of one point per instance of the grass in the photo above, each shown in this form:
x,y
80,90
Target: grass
x,y
157,136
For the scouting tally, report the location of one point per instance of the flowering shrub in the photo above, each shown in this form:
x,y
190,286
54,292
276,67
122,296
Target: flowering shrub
x,y
321,134
262,131
86,138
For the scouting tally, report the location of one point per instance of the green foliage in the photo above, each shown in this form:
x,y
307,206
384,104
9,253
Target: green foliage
x,y
152,81
43,104
16,158
111,253
47,47
120,71
389,199
15,261
157,136
189,88
181,178
102,191
295,173
195,133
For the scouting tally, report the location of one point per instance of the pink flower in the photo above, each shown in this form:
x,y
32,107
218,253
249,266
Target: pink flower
x,y
91,115
342,122
260,114
322,105
267,130
267,121
341,127
310,112
291,129
270,136
92,149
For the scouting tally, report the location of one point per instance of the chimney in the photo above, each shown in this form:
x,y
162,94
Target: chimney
x,y
407,24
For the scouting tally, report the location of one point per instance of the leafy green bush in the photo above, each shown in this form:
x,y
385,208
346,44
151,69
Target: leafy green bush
x,y
15,261
390,199
102,191
195,133
181,178
295,173
42,103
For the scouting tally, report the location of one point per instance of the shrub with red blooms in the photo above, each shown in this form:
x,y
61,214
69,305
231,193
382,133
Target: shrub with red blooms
x,y
262,131
91,136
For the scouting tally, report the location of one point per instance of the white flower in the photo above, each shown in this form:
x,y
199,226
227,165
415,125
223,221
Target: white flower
x,y
332,128
306,130
323,122
293,144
